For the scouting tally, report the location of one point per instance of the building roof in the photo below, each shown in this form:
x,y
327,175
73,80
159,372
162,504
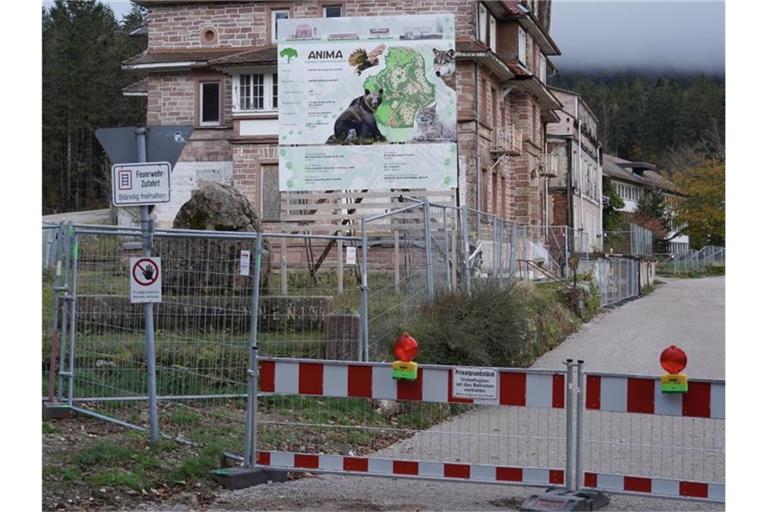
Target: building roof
x,y
477,50
264,55
574,93
622,169
138,88
182,59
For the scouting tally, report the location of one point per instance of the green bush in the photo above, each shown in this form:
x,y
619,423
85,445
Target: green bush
x,y
498,324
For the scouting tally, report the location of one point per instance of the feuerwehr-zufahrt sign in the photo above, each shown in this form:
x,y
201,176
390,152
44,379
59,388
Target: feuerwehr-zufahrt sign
x,y
140,184
146,280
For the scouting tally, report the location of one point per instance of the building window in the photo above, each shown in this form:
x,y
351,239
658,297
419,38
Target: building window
x,y
503,198
210,102
254,92
332,11
522,46
274,91
493,107
542,68
494,194
278,14
482,23
484,100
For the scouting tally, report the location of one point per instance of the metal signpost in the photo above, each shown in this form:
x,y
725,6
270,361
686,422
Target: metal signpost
x,y
144,184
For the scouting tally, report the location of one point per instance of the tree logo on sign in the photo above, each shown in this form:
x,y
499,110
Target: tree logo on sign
x,y
145,272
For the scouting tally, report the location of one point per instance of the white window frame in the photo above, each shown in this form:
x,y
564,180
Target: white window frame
x,y
492,30
482,23
273,17
340,7
269,77
542,68
202,85
522,46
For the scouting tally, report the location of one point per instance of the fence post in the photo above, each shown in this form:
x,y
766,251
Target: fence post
x,y
579,387
465,243
397,261
447,250
67,234
496,246
340,266
251,427
362,352
73,324
428,249
283,266
569,424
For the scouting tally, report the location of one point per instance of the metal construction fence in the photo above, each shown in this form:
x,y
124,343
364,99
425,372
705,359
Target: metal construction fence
x,y
696,261
271,346
635,241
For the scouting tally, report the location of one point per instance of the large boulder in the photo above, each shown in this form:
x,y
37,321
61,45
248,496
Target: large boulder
x,y
218,207
211,266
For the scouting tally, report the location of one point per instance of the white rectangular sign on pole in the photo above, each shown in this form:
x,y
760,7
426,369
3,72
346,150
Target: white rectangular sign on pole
x,y
146,280
141,183
245,262
480,383
351,255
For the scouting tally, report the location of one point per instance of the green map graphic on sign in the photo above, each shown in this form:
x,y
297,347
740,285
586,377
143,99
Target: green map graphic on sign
x,y
405,86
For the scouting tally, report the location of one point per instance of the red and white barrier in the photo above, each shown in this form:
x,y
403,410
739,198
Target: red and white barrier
x,y
522,388
606,392
662,487
375,466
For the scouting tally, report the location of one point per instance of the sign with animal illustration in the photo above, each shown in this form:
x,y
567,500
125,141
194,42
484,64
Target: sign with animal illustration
x,y
367,103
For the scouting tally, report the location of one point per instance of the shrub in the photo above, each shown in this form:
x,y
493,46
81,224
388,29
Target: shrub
x,y
499,324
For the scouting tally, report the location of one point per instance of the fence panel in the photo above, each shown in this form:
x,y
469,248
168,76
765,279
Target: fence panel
x,y
640,440
398,271
332,416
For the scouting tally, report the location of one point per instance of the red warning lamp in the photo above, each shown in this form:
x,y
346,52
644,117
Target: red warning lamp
x,y
673,359
406,348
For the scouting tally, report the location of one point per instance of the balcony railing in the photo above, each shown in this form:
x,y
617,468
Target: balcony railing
x,y
507,140
550,167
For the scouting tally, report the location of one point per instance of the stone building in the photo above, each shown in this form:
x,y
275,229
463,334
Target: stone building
x,y
213,64
576,185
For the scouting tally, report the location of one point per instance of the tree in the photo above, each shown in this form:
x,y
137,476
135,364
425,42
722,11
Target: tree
x,y
613,219
83,46
653,214
702,210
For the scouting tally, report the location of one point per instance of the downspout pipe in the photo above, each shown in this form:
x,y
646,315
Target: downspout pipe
x,y
477,142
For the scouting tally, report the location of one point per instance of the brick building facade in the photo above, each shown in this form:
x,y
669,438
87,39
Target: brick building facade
x,y
202,54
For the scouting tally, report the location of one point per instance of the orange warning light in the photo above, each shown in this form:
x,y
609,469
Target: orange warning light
x,y
673,359
406,347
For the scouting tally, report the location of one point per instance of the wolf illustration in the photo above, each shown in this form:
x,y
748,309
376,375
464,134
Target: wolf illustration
x,y
445,66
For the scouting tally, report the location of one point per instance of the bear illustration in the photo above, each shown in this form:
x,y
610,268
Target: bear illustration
x,y
357,124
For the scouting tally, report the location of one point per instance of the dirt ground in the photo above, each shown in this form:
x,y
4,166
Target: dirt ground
x,y
93,465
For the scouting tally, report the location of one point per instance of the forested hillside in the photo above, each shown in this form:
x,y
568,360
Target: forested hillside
x,y
662,118
83,46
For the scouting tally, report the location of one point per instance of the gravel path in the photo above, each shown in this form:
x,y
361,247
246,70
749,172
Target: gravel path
x,y
689,313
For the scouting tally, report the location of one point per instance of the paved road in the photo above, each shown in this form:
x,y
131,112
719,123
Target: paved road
x,y
689,313
628,338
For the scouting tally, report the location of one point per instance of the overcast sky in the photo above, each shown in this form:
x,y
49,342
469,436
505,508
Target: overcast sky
x,y
683,35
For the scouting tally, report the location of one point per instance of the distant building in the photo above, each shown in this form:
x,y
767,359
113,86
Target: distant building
x,y
631,180
576,185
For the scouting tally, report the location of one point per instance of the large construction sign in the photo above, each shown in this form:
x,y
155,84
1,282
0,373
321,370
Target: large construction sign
x,y
367,103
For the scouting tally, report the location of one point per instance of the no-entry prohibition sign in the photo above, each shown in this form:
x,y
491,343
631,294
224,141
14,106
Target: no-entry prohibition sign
x,y
146,280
